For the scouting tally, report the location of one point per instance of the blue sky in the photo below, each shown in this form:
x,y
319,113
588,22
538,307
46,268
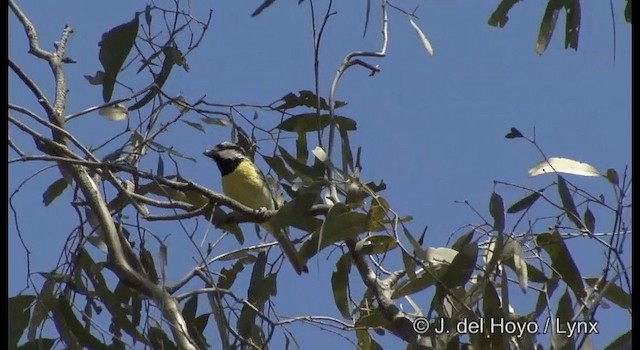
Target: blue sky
x,y
431,127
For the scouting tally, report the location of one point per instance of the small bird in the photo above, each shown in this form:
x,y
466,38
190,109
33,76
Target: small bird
x,y
243,181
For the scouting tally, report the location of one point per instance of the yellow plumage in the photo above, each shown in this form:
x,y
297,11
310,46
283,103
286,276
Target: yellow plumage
x,y
243,181
248,187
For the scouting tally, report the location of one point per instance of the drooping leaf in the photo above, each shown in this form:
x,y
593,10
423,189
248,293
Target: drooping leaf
x,y
114,49
547,25
147,15
172,56
160,166
499,17
589,221
340,285
563,165
496,209
423,38
54,191
612,176
75,327
568,205
462,266
190,308
301,169
262,7
564,317
463,240
572,24
513,249
627,11
562,262
45,302
18,317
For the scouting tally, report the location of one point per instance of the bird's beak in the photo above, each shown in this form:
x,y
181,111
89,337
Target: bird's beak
x,y
209,153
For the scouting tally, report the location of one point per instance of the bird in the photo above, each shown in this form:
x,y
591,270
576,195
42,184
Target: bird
x,y
244,182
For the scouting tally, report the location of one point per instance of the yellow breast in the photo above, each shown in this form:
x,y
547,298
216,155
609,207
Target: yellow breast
x,y
248,187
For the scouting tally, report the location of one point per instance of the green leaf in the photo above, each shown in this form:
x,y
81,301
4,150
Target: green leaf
x,y
612,176
409,265
534,274
160,340
54,191
462,266
365,342
513,249
547,25
377,214
463,240
45,302
492,310
525,203
496,209
310,122
572,24
568,205
306,98
417,247
513,133
255,295
612,292
160,167
172,56
300,169
228,276
622,342
377,244
262,7
347,156
277,164
190,308
340,285
627,11
424,280
214,121
18,311
589,221
75,327
296,213
147,15
194,125
340,223
564,316
561,261
149,265
114,49
169,150
499,17
95,79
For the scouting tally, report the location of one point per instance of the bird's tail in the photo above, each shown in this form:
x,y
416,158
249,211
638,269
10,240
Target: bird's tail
x,y
288,248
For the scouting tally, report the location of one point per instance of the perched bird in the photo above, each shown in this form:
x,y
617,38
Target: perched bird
x,y
243,181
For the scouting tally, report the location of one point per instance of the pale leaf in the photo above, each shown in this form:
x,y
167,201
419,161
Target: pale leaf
x,y
563,165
